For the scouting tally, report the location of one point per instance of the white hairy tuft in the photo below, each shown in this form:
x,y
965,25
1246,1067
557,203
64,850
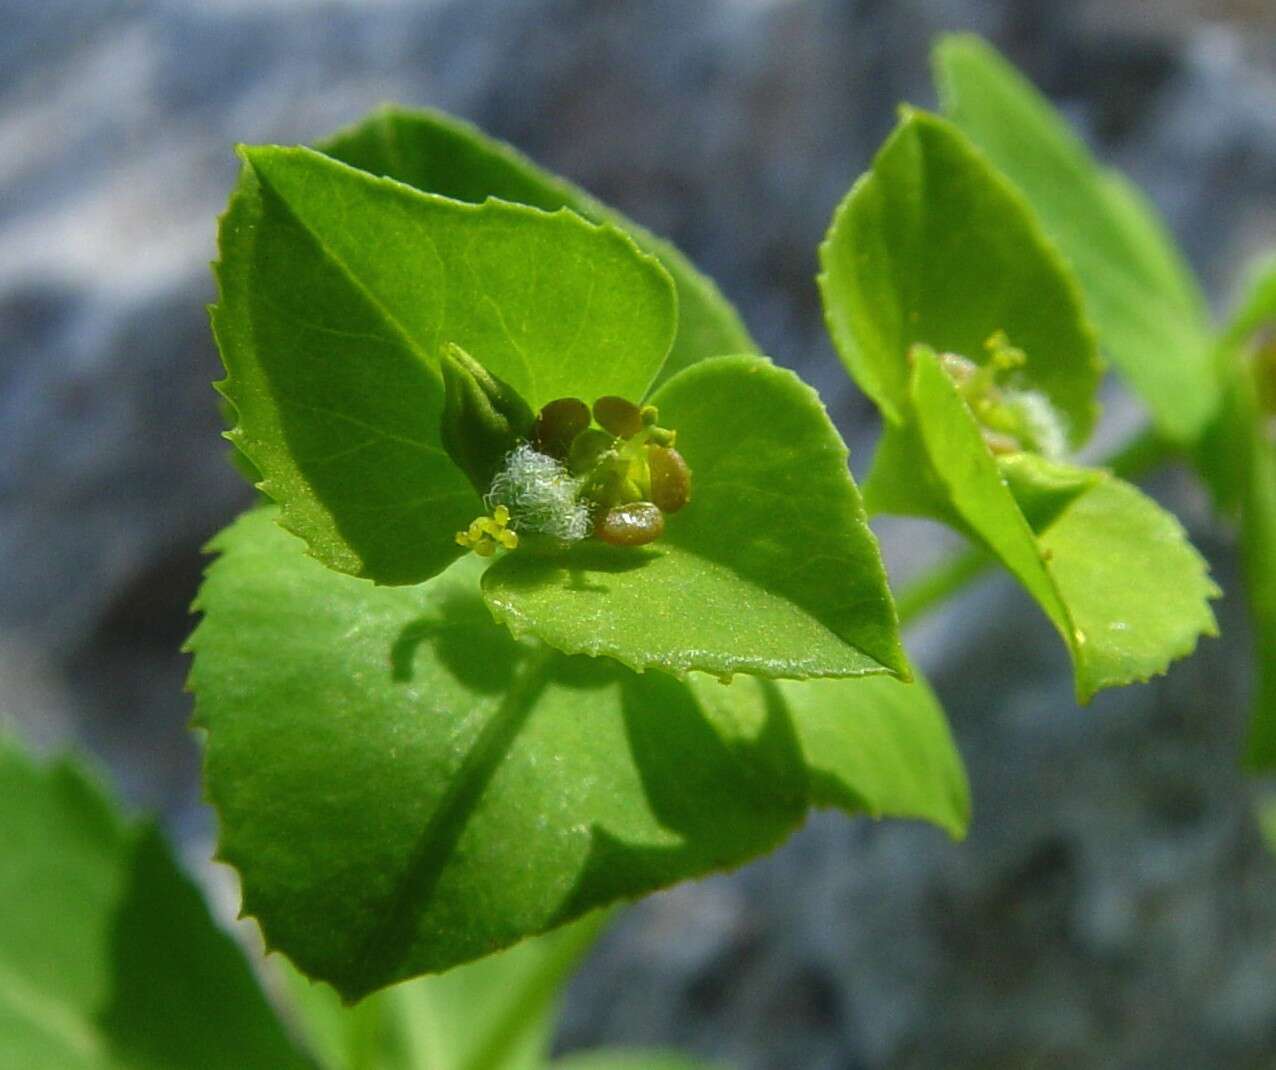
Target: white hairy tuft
x,y
1041,421
541,495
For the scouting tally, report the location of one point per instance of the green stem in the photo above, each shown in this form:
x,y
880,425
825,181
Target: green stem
x,y
1137,456
539,991
946,578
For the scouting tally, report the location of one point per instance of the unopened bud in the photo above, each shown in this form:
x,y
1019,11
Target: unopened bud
x,y
483,417
587,449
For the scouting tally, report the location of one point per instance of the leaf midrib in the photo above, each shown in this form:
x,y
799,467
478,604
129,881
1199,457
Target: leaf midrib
x,y
348,273
391,939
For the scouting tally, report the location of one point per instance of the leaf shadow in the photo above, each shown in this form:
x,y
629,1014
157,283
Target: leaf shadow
x,y
479,653
725,795
723,785
391,939
577,569
483,656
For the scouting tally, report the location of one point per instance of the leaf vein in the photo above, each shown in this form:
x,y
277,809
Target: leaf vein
x,y
379,432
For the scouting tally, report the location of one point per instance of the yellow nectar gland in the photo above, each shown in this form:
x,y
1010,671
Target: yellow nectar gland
x,y
486,533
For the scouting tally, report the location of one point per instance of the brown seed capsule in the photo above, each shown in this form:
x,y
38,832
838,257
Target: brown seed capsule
x,y
557,424
670,478
634,524
622,418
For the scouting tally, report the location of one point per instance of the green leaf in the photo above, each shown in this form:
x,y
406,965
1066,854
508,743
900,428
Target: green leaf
x,y
440,154
1238,458
872,744
771,569
404,787
1259,541
1140,294
1223,452
337,292
108,956
1112,570
1135,588
901,480
977,493
934,246
494,1014
1043,489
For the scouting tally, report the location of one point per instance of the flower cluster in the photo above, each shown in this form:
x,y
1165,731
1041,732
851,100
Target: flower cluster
x,y
568,473
1011,419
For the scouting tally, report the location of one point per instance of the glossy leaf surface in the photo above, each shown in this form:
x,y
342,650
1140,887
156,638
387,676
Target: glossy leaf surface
x,y
1136,590
440,154
771,569
337,292
1139,293
933,246
404,787
108,957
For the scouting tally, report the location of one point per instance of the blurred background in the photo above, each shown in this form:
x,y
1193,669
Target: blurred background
x,y
1114,904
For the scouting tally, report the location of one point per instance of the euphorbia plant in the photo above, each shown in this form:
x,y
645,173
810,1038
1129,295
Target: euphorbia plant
x,y
565,592
403,781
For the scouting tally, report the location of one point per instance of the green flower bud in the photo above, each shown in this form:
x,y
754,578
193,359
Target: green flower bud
x,y
588,448
483,417
611,483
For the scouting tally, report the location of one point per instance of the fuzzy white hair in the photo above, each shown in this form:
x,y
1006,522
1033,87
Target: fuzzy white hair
x,y
541,495
1041,421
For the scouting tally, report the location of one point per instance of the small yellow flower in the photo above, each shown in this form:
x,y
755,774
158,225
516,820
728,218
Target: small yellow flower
x,y
486,533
